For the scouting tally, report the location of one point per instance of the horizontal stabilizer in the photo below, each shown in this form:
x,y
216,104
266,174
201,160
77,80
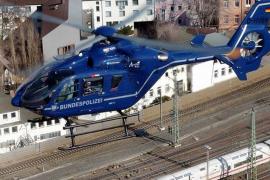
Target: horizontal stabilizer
x,y
198,40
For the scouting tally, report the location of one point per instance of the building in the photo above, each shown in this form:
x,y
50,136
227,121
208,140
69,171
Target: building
x,y
232,12
16,132
110,12
176,11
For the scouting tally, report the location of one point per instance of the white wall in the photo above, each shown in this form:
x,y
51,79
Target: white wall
x,y
63,35
24,130
9,118
115,15
201,76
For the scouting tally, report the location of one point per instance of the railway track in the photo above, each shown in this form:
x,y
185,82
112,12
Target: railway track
x,y
190,111
263,175
175,159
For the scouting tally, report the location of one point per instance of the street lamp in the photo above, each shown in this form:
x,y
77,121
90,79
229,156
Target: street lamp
x,y
208,148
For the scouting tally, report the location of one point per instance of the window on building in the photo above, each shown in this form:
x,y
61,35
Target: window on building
x,y
149,2
41,124
237,19
69,91
109,23
172,8
122,3
66,49
180,7
159,91
15,129
151,93
97,2
237,3
202,169
149,12
216,74
5,116
49,122
0,132
50,135
248,3
13,115
97,8
108,4
175,72
226,19
108,14
223,72
98,18
116,79
167,74
33,125
92,85
135,2
182,69
230,70
163,14
56,121
122,13
6,130
226,3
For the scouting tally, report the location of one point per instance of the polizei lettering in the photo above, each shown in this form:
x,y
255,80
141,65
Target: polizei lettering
x,y
81,103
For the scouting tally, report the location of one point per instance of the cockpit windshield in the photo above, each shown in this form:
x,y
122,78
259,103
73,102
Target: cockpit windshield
x,y
40,91
40,72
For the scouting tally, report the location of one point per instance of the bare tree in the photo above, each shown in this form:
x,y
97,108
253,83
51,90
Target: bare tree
x,y
23,48
204,12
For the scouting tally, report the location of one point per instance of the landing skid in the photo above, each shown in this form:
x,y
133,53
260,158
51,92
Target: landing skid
x,y
72,135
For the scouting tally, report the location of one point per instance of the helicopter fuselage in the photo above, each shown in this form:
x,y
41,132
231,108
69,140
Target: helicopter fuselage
x,y
108,76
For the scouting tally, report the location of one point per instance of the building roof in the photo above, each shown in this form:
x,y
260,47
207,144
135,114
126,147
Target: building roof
x,y
216,39
5,106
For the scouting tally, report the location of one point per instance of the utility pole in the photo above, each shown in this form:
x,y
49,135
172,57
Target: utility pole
x,y
161,127
175,119
252,169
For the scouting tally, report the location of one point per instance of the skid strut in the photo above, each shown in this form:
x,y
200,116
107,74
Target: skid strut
x,y
124,119
72,135
71,130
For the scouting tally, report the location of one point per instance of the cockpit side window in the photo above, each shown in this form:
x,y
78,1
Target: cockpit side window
x,y
92,85
69,91
116,79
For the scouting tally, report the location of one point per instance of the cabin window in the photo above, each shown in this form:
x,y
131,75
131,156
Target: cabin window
x,y
92,85
69,91
116,79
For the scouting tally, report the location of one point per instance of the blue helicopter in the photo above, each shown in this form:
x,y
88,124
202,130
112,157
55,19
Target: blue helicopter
x,y
117,71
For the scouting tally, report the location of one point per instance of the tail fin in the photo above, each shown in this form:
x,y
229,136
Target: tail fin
x,y
251,40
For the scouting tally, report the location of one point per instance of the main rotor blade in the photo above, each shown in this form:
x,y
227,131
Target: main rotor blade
x,y
88,43
154,43
41,16
130,18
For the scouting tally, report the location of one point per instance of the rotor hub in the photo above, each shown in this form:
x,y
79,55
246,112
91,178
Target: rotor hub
x,y
252,45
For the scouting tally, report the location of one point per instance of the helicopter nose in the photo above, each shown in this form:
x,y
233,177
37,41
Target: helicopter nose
x,y
16,101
